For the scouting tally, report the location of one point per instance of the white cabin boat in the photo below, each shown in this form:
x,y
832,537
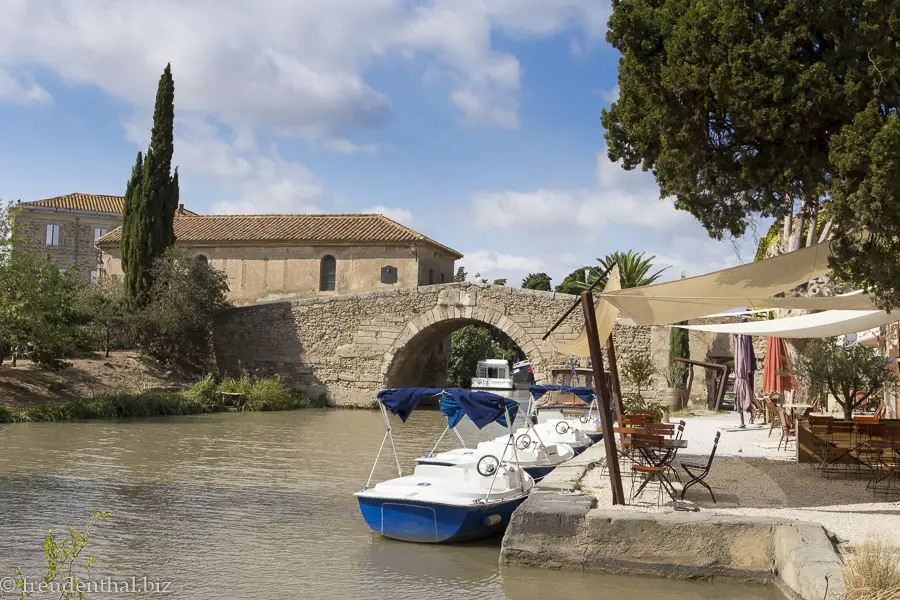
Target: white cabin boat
x,y
492,374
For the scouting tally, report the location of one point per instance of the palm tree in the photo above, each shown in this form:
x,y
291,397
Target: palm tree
x,y
634,269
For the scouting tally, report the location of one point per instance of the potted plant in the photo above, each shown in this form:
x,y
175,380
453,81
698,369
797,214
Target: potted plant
x,y
674,374
638,372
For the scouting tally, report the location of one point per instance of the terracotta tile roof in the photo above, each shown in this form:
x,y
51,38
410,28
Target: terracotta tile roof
x,y
319,228
87,202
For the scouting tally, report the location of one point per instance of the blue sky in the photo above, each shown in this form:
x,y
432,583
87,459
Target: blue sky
x,y
476,123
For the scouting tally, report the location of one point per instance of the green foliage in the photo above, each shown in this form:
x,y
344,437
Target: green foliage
x,y
635,402
151,198
203,391
61,577
499,282
271,393
176,324
108,308
473,343
638,371
461,275
39,310
573,282
537,281
679,347
767,108
634,269
767,241
851,374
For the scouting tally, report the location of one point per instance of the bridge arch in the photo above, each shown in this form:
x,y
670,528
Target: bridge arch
x,y
406,363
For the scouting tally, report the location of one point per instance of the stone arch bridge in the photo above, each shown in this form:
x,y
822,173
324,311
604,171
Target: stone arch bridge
x,y
349,346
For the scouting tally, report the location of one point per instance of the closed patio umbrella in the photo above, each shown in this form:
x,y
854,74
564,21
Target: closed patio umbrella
x,y
744,368
777,375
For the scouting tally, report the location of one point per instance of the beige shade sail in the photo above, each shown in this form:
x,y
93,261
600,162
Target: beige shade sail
x,y
830,323
606,319
752,284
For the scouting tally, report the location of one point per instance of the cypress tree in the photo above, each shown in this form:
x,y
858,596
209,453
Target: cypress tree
x,y
151,197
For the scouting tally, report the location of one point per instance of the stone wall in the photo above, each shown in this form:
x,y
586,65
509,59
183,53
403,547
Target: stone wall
x,y
76,235
274,273
348,347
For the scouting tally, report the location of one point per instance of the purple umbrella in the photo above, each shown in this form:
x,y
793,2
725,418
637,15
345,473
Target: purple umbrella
x,y
744,368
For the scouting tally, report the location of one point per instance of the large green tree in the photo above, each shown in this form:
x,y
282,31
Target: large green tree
x,y
573,282
537,281
768,108
151,198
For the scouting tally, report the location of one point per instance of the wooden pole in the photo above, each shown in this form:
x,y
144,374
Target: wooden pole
x,y
614,375
612,455
577,302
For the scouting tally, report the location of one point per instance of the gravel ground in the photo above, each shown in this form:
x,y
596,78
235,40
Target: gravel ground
x,y
750,477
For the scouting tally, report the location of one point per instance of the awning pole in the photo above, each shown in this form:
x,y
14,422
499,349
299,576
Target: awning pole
x,y
612,455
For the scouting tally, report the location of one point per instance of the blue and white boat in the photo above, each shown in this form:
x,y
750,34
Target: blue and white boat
x,y
470,497
553,404
536,459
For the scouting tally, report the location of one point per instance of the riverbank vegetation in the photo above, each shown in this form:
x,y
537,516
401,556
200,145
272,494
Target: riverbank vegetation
x,y
872,572
246,393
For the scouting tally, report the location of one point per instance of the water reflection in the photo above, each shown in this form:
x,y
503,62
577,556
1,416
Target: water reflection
x,y
257,506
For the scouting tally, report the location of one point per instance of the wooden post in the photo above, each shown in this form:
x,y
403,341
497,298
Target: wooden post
x,y
614,375
612,455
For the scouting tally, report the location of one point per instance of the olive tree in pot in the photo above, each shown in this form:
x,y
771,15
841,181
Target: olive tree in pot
x,y
852,374
676,373
638,372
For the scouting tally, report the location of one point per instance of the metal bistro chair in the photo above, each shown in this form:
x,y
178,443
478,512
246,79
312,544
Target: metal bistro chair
x,y
820,428
698,472
787,428
649,472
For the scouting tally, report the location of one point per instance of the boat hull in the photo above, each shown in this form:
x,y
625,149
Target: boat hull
x,y
426,522
594,436
538,473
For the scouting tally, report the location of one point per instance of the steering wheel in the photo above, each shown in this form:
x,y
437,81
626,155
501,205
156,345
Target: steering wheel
x,y
562,427
583,419
523,441
488,465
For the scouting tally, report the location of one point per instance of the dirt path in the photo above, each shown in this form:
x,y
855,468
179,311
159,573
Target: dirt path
x,y
27,384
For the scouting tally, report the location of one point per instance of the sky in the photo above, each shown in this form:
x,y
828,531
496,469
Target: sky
x,y
474,122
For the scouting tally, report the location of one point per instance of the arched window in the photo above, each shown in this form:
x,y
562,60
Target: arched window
x,y
326,275
430,276
202,259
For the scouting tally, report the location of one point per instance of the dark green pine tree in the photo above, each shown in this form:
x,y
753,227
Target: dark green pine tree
x,y
148,227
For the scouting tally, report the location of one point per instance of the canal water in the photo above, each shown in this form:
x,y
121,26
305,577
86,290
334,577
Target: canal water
x,y
260,505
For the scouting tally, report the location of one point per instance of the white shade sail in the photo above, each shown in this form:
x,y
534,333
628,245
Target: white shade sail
x,y
752,284
830,323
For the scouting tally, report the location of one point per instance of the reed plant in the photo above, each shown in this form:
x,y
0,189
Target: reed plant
x,y
872,571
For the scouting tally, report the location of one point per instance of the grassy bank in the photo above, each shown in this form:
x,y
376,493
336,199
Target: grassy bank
x,y
246,394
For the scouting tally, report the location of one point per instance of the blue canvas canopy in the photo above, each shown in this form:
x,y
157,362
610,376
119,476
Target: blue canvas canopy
x,y
585,394
481,407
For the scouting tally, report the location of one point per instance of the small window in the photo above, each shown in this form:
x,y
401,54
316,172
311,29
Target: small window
x,y
430,276
442,278
52,237
327,274
388,274
94,276
202,259
99,232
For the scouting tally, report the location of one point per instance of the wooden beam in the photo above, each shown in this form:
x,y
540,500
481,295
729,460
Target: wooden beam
x,y
720,396
614,376
612,455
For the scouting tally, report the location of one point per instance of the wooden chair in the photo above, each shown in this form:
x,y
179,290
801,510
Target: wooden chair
x,y
787,428
775,411
698,472
649,415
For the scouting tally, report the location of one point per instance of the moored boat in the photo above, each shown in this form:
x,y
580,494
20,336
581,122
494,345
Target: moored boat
x,y
492,374
468,498
576,406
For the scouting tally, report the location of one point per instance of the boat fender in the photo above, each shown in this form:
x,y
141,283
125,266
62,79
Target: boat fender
x,y
488,465
562,427
492,519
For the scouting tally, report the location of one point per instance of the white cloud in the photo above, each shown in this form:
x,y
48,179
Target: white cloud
x,y
609,95
568,228
19,90
497,265
294,67
401,215
342,146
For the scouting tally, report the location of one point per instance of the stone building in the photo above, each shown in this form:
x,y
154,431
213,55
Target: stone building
x,y
69,226
286,257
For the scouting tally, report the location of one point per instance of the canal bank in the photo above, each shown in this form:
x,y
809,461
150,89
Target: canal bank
x,y
561,527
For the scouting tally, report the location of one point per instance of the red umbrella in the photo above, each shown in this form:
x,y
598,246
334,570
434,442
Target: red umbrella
x,y
777,374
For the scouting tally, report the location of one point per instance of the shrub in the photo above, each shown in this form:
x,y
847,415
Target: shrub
x,y
872,571
203,391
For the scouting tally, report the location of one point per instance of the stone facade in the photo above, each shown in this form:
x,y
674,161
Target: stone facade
x,y
270,273
75,248
348,347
